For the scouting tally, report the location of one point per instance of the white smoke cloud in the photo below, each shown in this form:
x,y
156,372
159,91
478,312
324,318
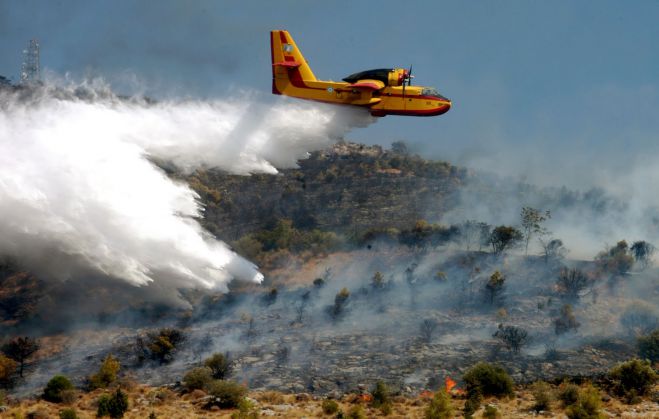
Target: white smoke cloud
x,y
78,194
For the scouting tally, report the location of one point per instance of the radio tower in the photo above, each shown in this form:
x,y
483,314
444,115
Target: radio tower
x,y
30,72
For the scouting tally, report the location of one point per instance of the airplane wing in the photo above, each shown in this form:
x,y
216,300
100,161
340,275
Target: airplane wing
x,y
366,88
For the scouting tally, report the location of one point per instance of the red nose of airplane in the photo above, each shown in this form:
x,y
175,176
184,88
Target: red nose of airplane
x,y
443,107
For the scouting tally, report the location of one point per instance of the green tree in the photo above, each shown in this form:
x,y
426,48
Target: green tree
x,y
20,349
488,380
495,286
504,237
616,260
197,378
377,281
648,346
107,373
439,407
643,252
587,405
227,394
340,302
114,405
220,365
380,394
566,320
571,282
532,220
7,370
55,387
634,377
552,249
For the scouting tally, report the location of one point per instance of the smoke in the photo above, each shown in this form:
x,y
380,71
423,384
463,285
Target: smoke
x,y
79,193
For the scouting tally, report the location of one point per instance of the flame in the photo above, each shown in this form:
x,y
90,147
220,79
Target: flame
x,y
366,398
426,394
449,384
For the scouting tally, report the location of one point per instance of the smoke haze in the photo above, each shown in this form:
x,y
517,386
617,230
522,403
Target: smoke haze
x,y
79,194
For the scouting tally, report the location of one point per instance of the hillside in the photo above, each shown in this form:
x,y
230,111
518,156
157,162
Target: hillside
x,y
358,288
348,187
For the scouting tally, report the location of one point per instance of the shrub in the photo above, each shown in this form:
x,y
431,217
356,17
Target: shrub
x,y
639,319
55,387
330,407
504,237
472,404
7,369
495,286
107,373
197,378
20,349
114,405
219,364
427,328
491,412
571,282
542,395
159,346
566,320
439,407
568,394
587,405
68,396
356,412
340,302
617,260
68,414
380,394
246,410
227,394
631,378
513,337
648,346
488,380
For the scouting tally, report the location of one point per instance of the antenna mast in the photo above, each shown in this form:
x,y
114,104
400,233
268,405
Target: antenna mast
x,y
30,71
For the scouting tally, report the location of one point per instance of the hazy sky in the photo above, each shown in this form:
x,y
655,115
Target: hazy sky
x,y
559,92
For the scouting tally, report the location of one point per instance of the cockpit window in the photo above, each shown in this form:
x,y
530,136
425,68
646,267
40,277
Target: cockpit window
x,y
431,91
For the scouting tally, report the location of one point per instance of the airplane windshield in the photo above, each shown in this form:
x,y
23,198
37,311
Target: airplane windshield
x,y
431,91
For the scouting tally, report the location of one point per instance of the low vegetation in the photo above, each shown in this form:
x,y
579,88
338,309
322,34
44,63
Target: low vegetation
x,y
113,405
648,346
107,373
57,388
632,379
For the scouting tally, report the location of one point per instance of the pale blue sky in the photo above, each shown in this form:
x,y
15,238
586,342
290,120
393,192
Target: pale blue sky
x,y
535,84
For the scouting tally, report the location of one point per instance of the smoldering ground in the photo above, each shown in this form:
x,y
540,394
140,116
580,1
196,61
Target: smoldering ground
x,y
426,316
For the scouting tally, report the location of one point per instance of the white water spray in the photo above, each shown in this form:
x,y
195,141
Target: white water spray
x,y
78,194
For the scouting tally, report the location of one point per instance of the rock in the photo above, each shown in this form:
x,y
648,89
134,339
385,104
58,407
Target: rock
x,y
283,407
302,397
268,412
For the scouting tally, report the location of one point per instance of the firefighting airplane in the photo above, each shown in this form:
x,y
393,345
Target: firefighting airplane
x,y
386,91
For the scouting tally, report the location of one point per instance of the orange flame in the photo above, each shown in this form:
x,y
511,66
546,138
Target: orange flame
x,y
426,394
449,384
366,398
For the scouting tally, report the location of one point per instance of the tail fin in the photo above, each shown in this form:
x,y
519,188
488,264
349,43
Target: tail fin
x,y
287,60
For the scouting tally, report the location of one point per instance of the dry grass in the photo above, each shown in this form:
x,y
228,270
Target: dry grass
x,y
168,404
